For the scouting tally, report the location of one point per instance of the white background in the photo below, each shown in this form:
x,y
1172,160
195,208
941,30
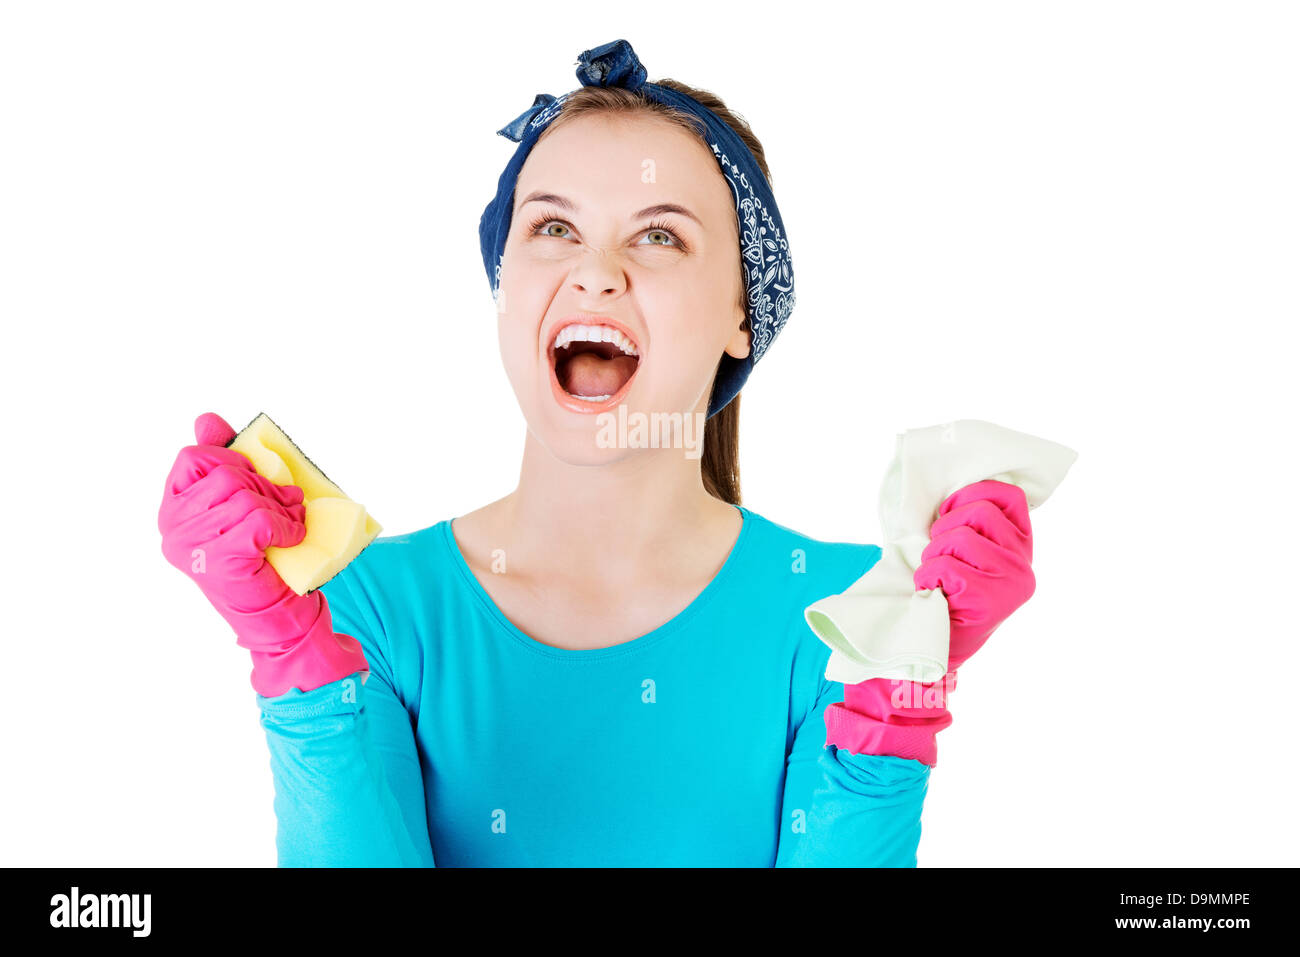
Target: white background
x,y
1076,220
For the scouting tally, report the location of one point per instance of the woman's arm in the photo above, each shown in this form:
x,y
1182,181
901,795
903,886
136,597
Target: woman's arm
x,y
857,791
848,810
349,791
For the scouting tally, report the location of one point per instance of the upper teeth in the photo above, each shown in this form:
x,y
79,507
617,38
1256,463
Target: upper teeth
x,y
576,333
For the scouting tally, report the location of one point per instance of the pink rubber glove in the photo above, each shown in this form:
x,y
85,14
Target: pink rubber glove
x,y
217,517
979,553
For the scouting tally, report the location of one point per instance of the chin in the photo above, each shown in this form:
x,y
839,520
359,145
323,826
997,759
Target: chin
x,y
636,426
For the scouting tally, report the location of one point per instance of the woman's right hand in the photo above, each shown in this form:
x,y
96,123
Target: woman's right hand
x,y
218,516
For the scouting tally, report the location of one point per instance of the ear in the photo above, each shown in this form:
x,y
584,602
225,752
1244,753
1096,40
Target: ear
x,y
738,344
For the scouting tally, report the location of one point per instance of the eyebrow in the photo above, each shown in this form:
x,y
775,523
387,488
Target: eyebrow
x,y
656,210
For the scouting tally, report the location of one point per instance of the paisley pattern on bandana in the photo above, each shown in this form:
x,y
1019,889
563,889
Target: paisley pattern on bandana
x,y
767,259
548,112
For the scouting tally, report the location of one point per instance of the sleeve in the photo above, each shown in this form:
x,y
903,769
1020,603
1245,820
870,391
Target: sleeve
x,y
349,791
847,810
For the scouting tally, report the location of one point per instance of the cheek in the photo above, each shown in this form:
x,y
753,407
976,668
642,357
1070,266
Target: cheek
x,y
518,347
518,319
698,305
537,257
528,284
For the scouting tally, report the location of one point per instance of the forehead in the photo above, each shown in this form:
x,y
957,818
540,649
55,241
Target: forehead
x,y
626,161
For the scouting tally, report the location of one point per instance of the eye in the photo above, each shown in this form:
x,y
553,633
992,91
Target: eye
x,y
662,229
548,221
659,229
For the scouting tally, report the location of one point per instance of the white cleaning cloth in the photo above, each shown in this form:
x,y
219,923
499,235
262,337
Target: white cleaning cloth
x,y
882,626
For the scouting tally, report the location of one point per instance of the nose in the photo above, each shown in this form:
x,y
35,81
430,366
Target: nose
x,y
598,273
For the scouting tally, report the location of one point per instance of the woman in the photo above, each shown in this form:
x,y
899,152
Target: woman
x,y
609,665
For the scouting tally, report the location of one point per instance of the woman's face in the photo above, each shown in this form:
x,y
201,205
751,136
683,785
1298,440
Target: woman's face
x,y
587,248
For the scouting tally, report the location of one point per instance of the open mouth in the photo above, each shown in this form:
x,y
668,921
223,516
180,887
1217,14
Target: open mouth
x,y
592,364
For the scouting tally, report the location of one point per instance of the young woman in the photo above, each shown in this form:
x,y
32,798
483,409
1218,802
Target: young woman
x,y
609,665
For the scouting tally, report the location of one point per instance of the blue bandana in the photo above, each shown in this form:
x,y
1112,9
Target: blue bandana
x,y
765,252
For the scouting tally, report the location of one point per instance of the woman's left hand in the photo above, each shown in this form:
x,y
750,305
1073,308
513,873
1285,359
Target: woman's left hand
x,y
979,554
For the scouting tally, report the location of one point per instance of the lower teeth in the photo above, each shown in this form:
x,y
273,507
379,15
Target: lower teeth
x,y
591,398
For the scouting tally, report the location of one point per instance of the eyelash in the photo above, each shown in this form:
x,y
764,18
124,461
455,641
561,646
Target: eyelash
x,y
656,226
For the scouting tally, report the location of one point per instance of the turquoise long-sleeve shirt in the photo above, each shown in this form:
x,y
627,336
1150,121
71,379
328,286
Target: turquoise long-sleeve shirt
x,y
701,743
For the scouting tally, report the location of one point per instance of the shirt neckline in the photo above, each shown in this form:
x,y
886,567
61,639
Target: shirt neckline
x,y
674,625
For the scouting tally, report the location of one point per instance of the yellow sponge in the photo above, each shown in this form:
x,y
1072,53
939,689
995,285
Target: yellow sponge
x,y
337,527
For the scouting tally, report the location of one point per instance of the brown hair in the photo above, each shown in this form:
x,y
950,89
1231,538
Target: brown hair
x,y
720,459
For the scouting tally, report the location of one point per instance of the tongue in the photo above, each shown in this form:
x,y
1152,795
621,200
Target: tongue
x,y
589,374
